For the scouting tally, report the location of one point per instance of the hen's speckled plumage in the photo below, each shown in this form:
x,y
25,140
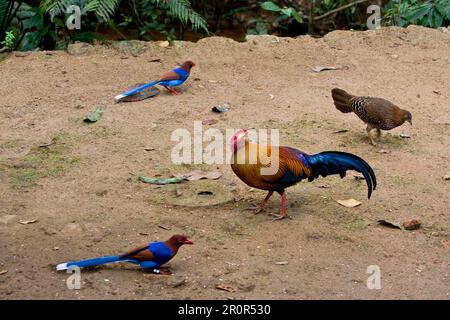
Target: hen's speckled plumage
x,y
377,113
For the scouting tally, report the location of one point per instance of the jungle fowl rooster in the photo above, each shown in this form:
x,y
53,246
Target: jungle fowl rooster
x,y
379,114
293,166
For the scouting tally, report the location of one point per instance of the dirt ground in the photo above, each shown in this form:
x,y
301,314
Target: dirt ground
x,y
83,189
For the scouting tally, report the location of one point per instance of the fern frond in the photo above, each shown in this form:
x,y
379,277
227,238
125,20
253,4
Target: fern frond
x,y
55,7
104,9
182,10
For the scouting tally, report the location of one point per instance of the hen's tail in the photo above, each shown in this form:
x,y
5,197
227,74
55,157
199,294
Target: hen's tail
x,y
335,162
341,100
88,262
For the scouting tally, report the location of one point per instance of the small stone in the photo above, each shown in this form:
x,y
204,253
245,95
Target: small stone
x,y
412,224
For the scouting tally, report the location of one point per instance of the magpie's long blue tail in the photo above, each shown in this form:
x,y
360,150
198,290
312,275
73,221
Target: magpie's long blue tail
x,y
335,162
136,90
88,262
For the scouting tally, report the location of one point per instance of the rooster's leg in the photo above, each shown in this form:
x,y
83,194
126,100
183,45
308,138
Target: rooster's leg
x,y
261,207
263,204
283,209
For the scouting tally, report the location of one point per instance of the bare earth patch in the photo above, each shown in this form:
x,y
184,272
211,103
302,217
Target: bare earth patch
x,y
83,188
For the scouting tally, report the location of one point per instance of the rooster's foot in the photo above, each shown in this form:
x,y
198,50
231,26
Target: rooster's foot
x,y
255,209
277,217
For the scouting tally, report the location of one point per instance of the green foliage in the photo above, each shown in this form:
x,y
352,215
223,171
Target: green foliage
x,y
161,16
433,13
103,9
10,39
284,16
285,12
182,10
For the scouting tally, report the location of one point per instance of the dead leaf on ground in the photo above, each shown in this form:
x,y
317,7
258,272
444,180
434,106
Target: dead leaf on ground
x,y
22,54
208,122
391,224
163,227
446,177
225,287
3,272
200,174
282,263
341,131
349,203
322,68
405,136
28,221
47,144
383,151
162,180
155,60
149,149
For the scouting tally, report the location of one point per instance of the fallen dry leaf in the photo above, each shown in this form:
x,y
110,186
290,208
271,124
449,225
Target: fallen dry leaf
x,y
349,203
405,136
383,151
199,174
28,221
282,263
225,287
321,68
391,224
3,272
208,122
446,177
341,131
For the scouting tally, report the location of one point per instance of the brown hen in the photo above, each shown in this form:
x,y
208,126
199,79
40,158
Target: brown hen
x,y
379,114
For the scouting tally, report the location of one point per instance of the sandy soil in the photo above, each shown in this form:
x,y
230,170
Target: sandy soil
x,y
83,189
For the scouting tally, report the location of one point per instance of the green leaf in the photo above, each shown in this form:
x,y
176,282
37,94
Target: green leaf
x,y
438,19
296,16
161,180
93,116
287,11
443,7
270,6
418,12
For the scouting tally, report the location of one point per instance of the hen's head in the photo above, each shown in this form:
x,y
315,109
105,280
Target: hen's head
x,y
238,139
